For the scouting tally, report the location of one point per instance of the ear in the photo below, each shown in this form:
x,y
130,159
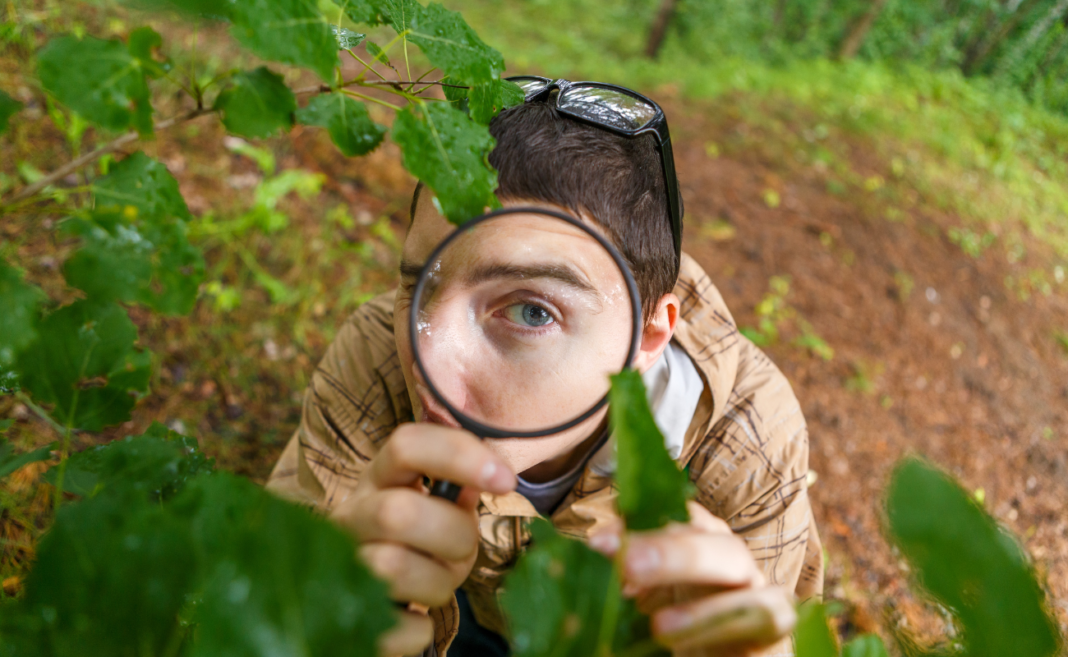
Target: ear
x,y
658,332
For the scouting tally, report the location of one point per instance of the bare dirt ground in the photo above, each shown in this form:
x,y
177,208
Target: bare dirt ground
x,y
934,353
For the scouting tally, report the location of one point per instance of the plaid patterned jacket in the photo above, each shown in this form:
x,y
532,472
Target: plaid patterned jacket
x,y
746,450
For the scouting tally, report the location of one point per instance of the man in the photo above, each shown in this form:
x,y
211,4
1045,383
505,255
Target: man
x,y
723,584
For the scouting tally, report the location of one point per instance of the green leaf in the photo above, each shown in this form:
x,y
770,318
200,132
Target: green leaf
x,y
377,52
812,636
347,121
140,182
968,563
9,461
290,31
98,79
487,99
111,577
256,104
364,12
563,599
280,580
83,361
149,262
142,42
447,151
865,645
447,40
19,301
8,107
652,489
346,38
156,465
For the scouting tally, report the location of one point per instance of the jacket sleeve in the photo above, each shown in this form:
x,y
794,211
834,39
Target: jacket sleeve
x,y
751,470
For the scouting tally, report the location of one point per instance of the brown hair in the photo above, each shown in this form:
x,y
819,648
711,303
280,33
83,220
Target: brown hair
x,y
618,181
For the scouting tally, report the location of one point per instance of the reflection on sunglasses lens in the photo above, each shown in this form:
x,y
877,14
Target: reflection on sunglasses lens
x,y
608,107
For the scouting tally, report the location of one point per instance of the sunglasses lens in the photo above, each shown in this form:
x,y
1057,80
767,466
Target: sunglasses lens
x,y
607,106
529,85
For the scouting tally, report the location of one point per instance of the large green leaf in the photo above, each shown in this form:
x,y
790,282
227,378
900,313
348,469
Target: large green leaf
x,y
101,80
486,100
257,103
280,580
145,184
149,262
8,107
447,151
156,465
975,568
347,121
562,599
83,361
142,42
447,40
290,31
364,12
865,645
111,577
10,461
652,489
812,636
19,301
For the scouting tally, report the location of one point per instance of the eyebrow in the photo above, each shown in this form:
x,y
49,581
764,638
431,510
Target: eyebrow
x,y
562,273
409,269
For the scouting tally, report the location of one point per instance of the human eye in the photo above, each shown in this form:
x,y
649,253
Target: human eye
x,y
528,314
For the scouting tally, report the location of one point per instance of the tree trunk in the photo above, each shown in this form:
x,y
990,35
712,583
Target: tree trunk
x,y
859,31
660,27
975,59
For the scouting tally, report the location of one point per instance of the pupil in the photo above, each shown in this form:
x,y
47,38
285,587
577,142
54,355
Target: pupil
x,y
535,315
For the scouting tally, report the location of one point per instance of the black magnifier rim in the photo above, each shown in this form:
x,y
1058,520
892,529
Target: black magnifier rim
x,y
474,426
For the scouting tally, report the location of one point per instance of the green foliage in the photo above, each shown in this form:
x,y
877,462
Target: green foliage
x,y
10,461
447,151
144,184
156,465
256,104
563,599
19,301
84,363
865,645
447,40
101,80
969,564
8,107
346,38
290,31
812,636
652,489
347,121
487,99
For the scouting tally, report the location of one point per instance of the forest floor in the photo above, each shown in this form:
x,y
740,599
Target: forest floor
x,y
942,344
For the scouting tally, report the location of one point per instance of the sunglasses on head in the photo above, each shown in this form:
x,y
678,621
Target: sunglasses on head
x,y
619,110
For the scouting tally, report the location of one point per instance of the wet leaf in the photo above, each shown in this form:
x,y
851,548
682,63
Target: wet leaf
x,y
447,41
20,301
812,636
447,151
290,31
257,104
279,579
866,645
376,52
84,363
8,107
364,12
10,461
99,80
145,184
150,262
156,465
556,597
346,119
487,99
968,563
652,489
346,38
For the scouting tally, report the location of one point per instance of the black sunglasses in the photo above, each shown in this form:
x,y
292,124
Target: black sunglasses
x,y
621,111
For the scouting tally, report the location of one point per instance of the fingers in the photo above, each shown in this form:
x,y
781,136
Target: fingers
x,y
411,635
689,557
439,452
412,577
754,617
402,515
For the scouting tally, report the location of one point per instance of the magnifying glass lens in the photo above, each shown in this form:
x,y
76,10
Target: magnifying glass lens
x,y
520,321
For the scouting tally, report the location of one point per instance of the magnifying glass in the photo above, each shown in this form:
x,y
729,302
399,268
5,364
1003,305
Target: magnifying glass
x,y
518,319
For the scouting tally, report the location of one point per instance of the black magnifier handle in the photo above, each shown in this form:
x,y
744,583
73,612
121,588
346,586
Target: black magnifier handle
x,y
445,490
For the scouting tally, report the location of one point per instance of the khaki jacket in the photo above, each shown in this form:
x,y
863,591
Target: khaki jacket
x,y
746,451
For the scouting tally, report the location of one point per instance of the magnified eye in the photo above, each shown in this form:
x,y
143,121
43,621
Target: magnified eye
x,y
528,314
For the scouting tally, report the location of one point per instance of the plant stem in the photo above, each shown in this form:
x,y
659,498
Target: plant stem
x,y
366,65
100,151
372,99
41,413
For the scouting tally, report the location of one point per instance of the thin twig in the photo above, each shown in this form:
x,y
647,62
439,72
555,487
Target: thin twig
x,y
95,154
430,83
371,98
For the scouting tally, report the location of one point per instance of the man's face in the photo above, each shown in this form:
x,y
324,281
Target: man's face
x,y
520,327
